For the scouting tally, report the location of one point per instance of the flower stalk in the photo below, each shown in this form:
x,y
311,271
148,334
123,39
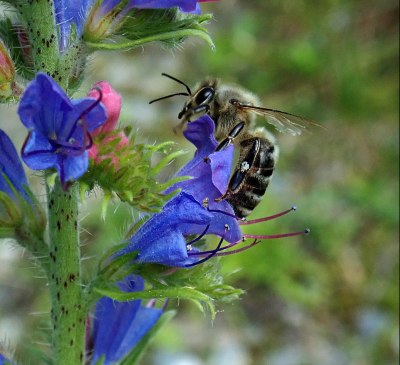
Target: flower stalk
x,y
64,65
68,315
42,35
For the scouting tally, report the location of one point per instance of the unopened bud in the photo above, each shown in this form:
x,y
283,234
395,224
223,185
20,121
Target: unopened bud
x,y
104,18
7,74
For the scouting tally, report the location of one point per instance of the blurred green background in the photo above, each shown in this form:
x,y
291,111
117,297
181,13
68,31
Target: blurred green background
x,y
330,297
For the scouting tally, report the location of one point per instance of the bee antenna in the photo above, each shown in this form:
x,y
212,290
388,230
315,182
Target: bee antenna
x,y
167,96
178,81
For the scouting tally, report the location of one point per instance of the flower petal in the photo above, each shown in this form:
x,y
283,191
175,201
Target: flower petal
x,y
75,166
5,361
43,105
10,166
38,153
211,172
184,5
160,239
119,326
70,13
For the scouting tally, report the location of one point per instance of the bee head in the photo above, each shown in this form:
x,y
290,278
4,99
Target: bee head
x,y
199,103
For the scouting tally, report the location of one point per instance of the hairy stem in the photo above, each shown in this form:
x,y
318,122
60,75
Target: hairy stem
x,y
68,314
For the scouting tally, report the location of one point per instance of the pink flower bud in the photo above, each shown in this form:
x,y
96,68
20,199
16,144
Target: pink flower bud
x,y
112,103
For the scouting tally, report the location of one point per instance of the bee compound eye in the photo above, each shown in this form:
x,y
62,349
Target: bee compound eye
x,y
204,95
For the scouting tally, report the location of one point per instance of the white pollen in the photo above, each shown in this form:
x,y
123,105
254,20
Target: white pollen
x,y
244,166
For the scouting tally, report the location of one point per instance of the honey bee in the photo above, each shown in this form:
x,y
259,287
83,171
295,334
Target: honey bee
x,y
233,110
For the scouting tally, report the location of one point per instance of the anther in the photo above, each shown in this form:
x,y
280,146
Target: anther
x,y
205,203
307,231
227,228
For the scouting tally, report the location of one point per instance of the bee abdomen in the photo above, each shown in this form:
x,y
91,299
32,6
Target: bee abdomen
x,y
252,175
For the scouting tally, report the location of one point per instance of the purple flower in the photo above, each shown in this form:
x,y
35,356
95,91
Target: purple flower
x,y
119,326
11,170
58,128
162,239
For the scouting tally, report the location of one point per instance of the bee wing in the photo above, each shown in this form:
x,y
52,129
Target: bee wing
x,y
282,121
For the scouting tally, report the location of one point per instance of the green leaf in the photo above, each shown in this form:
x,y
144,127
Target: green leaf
x,y
200,299
144,26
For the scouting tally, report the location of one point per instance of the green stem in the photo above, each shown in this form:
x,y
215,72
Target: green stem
x,y
68,314
43,36
65,66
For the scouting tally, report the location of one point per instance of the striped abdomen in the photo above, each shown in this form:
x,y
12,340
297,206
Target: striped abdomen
x,y
252,175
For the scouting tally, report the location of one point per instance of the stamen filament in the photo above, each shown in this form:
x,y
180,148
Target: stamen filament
x,y
81,116
244,248
257,239
199,237
212,254
202,253
259,220
282,235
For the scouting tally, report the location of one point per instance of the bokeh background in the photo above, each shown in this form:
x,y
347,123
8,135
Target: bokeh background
x,y
328,298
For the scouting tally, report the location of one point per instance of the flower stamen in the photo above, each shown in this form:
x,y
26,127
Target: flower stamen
x,y
273,236
264,219
211,253
190,243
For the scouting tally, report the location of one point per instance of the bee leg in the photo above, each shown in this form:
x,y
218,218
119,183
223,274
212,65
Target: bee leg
x,y
242,169
204,109
231,136
200,109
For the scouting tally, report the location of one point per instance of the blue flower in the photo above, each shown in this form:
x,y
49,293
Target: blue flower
x,y
58,128
184,5
119,326
11,170
163,238
68,14
5,361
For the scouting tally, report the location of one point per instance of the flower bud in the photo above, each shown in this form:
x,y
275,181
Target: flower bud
x,y
8,87
103,19
112,103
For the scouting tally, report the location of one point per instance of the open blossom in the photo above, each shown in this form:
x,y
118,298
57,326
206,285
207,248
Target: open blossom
x,y
119,326
162,239
58,128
